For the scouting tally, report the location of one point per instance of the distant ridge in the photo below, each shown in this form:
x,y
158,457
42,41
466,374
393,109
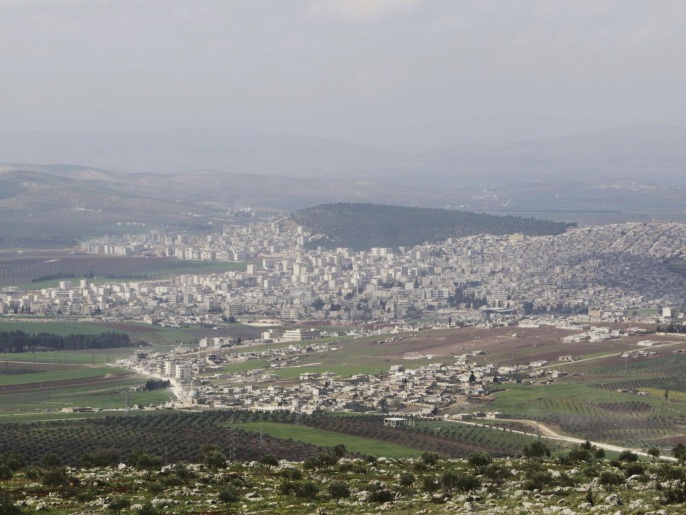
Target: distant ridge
x,y
363,226
645,153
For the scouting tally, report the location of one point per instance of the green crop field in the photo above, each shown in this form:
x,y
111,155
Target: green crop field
x,y
51,326
325,438
65,374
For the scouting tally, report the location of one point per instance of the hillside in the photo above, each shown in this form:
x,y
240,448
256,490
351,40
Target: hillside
x,y
363,226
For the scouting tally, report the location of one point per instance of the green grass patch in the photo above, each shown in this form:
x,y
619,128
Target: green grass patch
x,y
330,438
66,374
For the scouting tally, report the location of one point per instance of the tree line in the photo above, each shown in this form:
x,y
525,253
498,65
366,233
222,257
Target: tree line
x,y
19,341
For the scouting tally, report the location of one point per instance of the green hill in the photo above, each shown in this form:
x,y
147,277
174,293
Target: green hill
x,y
362,226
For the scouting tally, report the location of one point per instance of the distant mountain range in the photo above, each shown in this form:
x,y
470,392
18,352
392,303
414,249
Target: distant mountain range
x,y
601,177
655,153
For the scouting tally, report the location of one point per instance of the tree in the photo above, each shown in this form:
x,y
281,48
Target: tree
x,y
610,479
679,452
536,450
339,450
383,405
654,452
627,455
146,462
269,461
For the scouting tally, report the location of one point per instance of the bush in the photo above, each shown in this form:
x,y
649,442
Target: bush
x,y
51,460
634,469
497,473
479,459
5,472
102,458
54,476
538,480
536,450
338,490
609,479
429,484
14,461
307,490
429,458
7,506
627,455
292,473
383,495
407,479
119,504
229,495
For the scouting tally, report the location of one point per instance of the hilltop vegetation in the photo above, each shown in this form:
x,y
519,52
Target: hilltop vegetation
x,y
362,226
333,481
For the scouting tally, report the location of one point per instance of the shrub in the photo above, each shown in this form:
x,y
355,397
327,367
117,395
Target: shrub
x,y
538,480
54,476
479,459
497,473
5,472
627,455
609,479
307,490
429,484
634,469
338,490
7,506
292,473
407,479
14,461
119,504
536,450
229,495
382,495
429,458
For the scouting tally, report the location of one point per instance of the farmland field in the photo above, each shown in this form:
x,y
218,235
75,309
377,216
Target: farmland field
x,y
325,438
45,269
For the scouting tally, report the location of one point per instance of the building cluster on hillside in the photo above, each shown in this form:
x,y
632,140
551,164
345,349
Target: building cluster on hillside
x,y
609,271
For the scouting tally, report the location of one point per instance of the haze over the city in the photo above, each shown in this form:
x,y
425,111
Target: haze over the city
x,y
402,75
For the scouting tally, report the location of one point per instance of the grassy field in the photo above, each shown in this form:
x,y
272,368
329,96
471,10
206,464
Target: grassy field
x,y
27,270
51,326
329,439
153,334
55,374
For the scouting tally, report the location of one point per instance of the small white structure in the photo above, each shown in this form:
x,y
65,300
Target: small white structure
x,y
396,422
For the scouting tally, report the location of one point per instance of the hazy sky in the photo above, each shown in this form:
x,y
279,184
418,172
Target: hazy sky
x,y
401,73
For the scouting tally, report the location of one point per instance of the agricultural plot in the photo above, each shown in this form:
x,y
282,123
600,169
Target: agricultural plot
x,y
178,436
453,441
325,438
33,271
600,399
46,387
